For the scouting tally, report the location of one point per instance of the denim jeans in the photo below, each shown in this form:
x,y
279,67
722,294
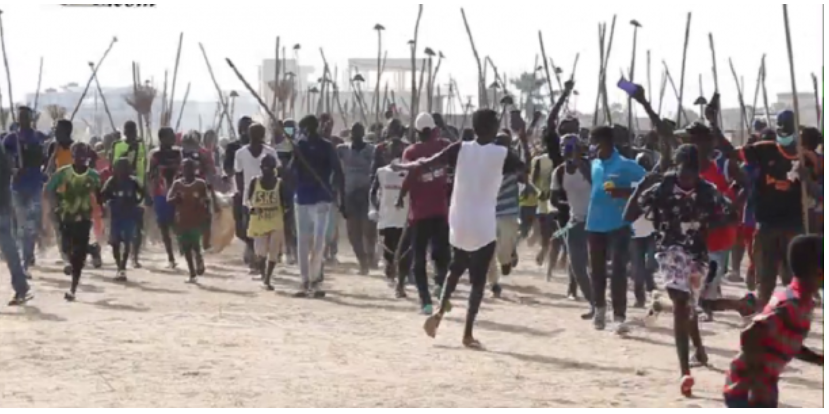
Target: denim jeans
x,y
8,246
616,246
311,224
28,212
643,263
576,239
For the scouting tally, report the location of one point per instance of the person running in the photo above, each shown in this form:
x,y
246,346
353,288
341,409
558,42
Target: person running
x,y
683,206
191,147
315,167
778,192
776,336
229,168
80,184
135,150
391,221
428,209
192,197
25,147
248,164
163,170
479,169
612,179
8,244
123,194
507,213
266,197
571,185
356,157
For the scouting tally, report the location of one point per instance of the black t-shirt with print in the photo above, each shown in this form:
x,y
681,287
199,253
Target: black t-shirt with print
x,y
777,189
682,218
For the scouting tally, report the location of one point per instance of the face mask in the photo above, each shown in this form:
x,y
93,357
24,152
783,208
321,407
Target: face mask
x,y
785,140
289,131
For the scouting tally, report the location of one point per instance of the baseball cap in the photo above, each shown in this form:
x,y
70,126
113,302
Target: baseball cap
x,y
423,121
785,116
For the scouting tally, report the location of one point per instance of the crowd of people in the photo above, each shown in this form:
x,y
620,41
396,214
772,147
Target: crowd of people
x,y
683,205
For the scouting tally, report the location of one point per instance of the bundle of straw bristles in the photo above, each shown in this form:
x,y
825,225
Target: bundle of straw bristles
x,y
56,112
142,99
284,90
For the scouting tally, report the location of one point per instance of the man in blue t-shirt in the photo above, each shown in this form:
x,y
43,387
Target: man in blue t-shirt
x,y
25,151
315,167
613,178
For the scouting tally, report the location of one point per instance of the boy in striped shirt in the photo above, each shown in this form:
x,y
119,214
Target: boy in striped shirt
x,y
507,212
776,336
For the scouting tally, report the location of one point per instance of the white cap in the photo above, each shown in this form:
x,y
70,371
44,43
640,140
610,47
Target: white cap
x,y
423,121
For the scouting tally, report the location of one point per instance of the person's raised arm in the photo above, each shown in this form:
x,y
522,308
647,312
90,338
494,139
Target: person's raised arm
x,y
642,201
447,157
373,195
552,119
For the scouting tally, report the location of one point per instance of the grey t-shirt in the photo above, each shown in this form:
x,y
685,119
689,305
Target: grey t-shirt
x,y
578,188
356,166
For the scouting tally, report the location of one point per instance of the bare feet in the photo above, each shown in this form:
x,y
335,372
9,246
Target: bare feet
x,y
472,343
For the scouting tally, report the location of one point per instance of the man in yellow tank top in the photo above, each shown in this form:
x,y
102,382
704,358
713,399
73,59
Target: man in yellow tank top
x,y
266,224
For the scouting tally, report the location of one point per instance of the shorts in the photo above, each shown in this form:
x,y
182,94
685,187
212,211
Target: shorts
x,y
122,230
189,239
680,272
270,245
165,211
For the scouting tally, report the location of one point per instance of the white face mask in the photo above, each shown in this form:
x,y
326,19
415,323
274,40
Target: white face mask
x,y
785,140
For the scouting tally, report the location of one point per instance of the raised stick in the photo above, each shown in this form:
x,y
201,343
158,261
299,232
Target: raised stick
x,y
756,94
8,72
91,78
602,30
37,92
801,152
605,96
219,91
765,92
547,68
379,28
413,45
739,94
482,97
680,110
817,101
714,69
175,78
183,104
276,83
103,98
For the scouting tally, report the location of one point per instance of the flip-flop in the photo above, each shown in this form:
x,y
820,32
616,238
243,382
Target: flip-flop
x,y
21,300
687,386
431,326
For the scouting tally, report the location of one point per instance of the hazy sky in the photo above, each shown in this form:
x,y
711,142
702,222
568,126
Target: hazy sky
x,y
246,32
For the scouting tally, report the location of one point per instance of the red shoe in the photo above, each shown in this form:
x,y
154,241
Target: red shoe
x,y
687,386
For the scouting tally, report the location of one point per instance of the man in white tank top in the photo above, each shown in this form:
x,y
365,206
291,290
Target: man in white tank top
x,y
571,184
479,167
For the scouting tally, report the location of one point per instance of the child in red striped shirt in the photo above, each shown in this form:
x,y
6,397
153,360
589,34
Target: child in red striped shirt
x,y
776,335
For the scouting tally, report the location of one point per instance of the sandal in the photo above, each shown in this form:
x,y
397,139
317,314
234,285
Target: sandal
x,y
687,386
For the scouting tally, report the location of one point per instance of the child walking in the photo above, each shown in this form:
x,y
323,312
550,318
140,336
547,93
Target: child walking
x,y
266,227
776,336
682,207
192,198
123,194
80,184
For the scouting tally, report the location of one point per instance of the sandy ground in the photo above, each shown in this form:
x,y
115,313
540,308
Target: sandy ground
x,y
158,342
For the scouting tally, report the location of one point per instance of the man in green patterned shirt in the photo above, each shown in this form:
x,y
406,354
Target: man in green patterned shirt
x,y
79,186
